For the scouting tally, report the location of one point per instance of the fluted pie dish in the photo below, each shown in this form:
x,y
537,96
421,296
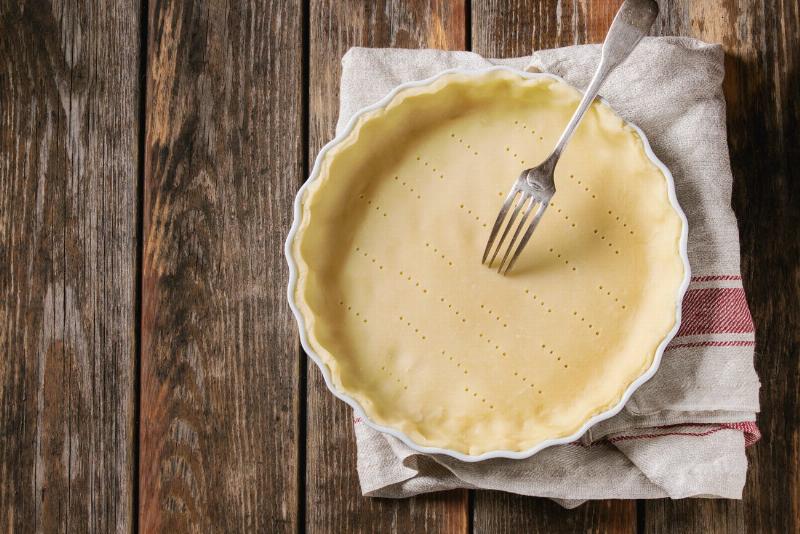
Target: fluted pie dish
x,y
428,345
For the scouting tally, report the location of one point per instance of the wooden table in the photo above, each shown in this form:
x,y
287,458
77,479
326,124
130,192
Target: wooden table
x,y
151,377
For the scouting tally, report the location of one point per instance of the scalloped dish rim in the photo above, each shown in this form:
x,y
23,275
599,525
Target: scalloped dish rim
x,y
510,454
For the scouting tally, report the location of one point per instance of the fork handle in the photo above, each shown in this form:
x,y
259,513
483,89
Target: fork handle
x,y
631,23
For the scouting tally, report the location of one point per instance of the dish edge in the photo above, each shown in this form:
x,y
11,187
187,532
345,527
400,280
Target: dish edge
x,y
515,455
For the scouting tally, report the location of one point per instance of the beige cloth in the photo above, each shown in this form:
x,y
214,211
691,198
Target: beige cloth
x,y
683,433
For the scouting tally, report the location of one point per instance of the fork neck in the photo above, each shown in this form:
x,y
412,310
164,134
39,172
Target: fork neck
x,y
541,178
603,69
546,170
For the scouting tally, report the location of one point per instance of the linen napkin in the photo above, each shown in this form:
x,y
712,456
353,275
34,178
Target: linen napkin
x,y
683,433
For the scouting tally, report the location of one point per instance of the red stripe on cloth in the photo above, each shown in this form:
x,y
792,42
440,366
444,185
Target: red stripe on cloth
x,y
734,343
750,430
715,277
663,434
721,310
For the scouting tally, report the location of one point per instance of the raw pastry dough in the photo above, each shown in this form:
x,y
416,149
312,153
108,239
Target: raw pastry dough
x,y
429,342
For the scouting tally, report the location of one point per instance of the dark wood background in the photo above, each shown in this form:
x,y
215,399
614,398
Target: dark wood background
x,y
151,377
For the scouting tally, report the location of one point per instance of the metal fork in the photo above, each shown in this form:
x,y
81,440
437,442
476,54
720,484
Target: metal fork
x,y
535,185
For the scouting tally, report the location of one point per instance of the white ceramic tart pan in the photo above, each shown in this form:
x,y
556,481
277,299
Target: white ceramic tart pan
x,y
428,345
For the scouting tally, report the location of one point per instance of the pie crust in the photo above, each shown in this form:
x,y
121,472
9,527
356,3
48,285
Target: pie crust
x,y
394,302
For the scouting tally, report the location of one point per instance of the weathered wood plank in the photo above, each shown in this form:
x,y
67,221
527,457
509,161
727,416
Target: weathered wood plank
x,y
761,87
505,512
220,364
509,28
68,181
334,501
516,28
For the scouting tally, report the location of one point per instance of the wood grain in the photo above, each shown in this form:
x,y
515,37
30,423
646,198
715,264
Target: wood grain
x,y
220,365
516,28
68,174
762,85
511,28
505,512
334,502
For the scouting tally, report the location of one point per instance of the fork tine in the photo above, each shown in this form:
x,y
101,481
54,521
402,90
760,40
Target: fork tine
x,y
526,236
520,202
516,233
499,221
